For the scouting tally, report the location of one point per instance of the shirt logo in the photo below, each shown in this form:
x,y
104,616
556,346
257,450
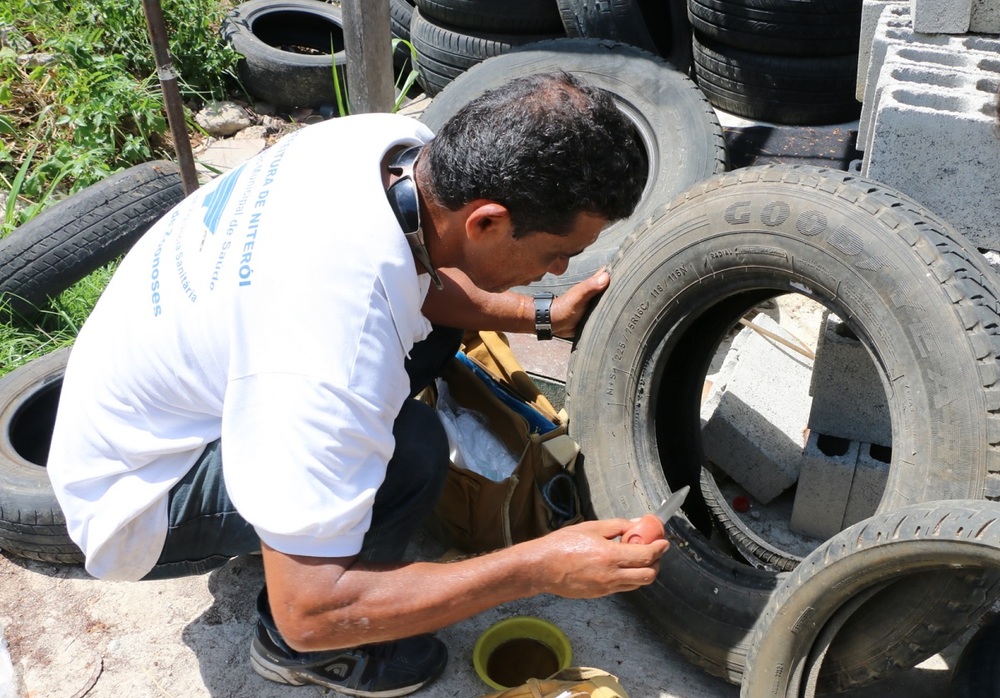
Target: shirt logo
x,y
215,203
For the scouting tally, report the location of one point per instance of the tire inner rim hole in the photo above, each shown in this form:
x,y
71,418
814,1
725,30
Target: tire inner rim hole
x,y
794,326
31,427
298,32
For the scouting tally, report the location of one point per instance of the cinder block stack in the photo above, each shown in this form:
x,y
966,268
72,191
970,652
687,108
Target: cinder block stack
x,y
929,82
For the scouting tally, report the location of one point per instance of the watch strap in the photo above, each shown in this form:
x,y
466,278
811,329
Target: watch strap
x,y
543,315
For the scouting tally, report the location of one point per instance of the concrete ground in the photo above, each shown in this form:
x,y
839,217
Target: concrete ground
x,y
72,636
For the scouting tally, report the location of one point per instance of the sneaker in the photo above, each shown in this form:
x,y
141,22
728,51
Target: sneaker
x,y
381,670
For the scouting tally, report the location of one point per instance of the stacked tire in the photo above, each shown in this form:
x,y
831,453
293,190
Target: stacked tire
x,y
784,61
451,36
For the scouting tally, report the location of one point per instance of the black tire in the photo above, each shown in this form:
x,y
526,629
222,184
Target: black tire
x,y
794,90
876,563
787,27
658,26
920,298
31,523
683,140
286,48
510,16
400,15
64,243
444,52
751,547
977,672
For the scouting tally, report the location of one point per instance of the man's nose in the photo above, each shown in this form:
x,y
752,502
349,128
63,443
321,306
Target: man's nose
x,y
559,266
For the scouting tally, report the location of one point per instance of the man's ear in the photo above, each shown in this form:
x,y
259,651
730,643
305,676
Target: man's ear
x,y
486,218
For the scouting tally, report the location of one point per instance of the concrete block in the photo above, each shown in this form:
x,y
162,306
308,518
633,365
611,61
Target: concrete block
x,y
943,67
848,399
824,488
892,25
870,475
942,16
985,17
755,414
871,10
942,149
895,27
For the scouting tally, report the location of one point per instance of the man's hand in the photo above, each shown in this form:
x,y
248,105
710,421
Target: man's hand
x,y
462,304
568,309
587,560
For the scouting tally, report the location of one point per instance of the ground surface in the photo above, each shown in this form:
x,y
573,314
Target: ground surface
x,y
72,636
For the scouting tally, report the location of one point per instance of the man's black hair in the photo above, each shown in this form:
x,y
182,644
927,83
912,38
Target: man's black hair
x,y
546,146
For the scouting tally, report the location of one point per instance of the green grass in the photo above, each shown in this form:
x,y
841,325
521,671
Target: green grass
x,y
79,101
79,96
22,340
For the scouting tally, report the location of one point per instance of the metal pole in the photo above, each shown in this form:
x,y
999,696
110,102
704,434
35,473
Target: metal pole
x,y
171,94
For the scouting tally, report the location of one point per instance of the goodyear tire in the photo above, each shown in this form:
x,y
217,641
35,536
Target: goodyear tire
x,y
877,563
31,523
64,243
683,140
919,297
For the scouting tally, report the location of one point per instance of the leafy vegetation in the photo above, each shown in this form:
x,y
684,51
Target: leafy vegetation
x,y
57,326
79,95
80,100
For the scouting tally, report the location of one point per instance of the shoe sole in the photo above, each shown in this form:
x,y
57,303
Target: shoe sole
x,y
280,674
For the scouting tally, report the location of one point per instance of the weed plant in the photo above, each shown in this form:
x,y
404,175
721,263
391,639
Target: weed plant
x,y
79,94
23,339
80,100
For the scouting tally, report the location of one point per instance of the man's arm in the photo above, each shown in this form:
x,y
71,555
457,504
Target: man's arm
x,y
464,305
323,603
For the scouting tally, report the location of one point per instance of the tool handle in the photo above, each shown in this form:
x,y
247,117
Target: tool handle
x,y
645,531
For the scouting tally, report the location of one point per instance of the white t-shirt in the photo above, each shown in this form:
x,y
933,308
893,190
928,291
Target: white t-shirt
x,y
273,307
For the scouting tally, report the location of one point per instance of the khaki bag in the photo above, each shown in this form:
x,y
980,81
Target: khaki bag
x,y
476,514
573,682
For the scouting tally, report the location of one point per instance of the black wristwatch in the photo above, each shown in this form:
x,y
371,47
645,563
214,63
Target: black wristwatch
x,y
543,315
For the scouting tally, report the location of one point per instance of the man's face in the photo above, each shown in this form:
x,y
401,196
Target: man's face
x,y
502,262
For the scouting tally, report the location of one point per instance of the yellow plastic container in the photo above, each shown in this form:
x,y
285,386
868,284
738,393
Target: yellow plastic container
x,y
515,649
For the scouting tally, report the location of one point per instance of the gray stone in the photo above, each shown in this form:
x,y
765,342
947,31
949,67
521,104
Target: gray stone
x,y
223,118
870,475
871,13
985,17
958,126
942,16
824,487
848,398
754,417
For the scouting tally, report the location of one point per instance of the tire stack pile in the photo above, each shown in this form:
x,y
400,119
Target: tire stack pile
x,y
451,36
784,61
